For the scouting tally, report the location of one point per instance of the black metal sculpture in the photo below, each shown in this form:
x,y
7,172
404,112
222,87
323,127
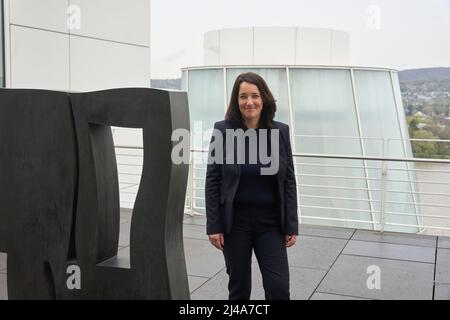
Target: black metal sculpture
x,y
60,197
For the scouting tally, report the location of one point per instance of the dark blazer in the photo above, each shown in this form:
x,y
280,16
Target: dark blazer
x,y
222,181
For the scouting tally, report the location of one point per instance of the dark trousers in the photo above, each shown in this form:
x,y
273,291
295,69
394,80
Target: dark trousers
x,y
272,258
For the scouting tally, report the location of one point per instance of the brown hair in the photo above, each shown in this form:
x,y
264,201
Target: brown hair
x,y
269,103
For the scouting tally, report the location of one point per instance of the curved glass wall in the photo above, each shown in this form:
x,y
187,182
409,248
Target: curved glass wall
x,y
331,111
325,122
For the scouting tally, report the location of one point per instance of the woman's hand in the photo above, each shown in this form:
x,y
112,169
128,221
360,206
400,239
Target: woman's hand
x,y
289,240
216,240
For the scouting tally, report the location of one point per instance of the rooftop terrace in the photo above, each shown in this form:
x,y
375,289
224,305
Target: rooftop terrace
x,y
326,263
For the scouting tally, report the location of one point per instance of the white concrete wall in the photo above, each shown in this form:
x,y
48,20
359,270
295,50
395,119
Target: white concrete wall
x,y
314,46
97,65
115,20
42,14
276,46
39,59
236,45
107,46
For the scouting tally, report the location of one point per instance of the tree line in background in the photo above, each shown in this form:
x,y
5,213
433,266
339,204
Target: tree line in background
x,y
431,130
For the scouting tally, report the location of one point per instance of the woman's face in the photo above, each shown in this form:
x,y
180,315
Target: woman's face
x,y
250,102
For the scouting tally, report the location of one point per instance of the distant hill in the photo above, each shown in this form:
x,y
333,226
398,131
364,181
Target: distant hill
x,y
425,74
166,83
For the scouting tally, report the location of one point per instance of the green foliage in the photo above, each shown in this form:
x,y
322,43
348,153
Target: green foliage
x,y
429,93
424,149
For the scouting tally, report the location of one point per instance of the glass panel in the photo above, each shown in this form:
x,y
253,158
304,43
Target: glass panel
x,y
409,154
206,106
379,118
184,76
325,122
277,82
206,97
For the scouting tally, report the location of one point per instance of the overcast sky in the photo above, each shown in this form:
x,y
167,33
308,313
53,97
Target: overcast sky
x,y
408,34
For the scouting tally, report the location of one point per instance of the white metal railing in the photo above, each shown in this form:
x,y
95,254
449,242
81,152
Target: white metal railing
x,y
429,214
383,192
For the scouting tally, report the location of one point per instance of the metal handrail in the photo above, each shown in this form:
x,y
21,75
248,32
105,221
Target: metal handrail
x,y
198,165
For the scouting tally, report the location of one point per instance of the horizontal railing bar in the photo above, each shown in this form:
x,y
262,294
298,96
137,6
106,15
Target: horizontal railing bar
x,y
129,174
415,139
337,198
417,215
419,170
421,193
335,187
373,190
118,146
346,137
336,166
129,182
418,181
336,177
341,209
125,129
421,204
364,178
368,167
338,219
337,156
129,155
415,226
125,188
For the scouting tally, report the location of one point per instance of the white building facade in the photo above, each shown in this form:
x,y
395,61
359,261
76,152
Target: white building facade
x,y
276,46
78,45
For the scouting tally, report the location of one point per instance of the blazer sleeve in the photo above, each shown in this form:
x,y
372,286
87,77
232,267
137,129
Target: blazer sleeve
x,y
212,193
290,189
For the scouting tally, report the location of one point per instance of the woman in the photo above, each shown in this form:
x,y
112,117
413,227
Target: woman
x,y
247,210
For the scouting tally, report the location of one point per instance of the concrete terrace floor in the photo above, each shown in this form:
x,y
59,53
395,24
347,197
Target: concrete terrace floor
x,y
326,263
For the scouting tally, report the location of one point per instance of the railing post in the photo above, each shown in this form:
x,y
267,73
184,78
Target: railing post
x,y
191,186
384,172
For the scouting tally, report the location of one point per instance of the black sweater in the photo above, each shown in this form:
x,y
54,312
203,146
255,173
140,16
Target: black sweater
x,y
256,201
